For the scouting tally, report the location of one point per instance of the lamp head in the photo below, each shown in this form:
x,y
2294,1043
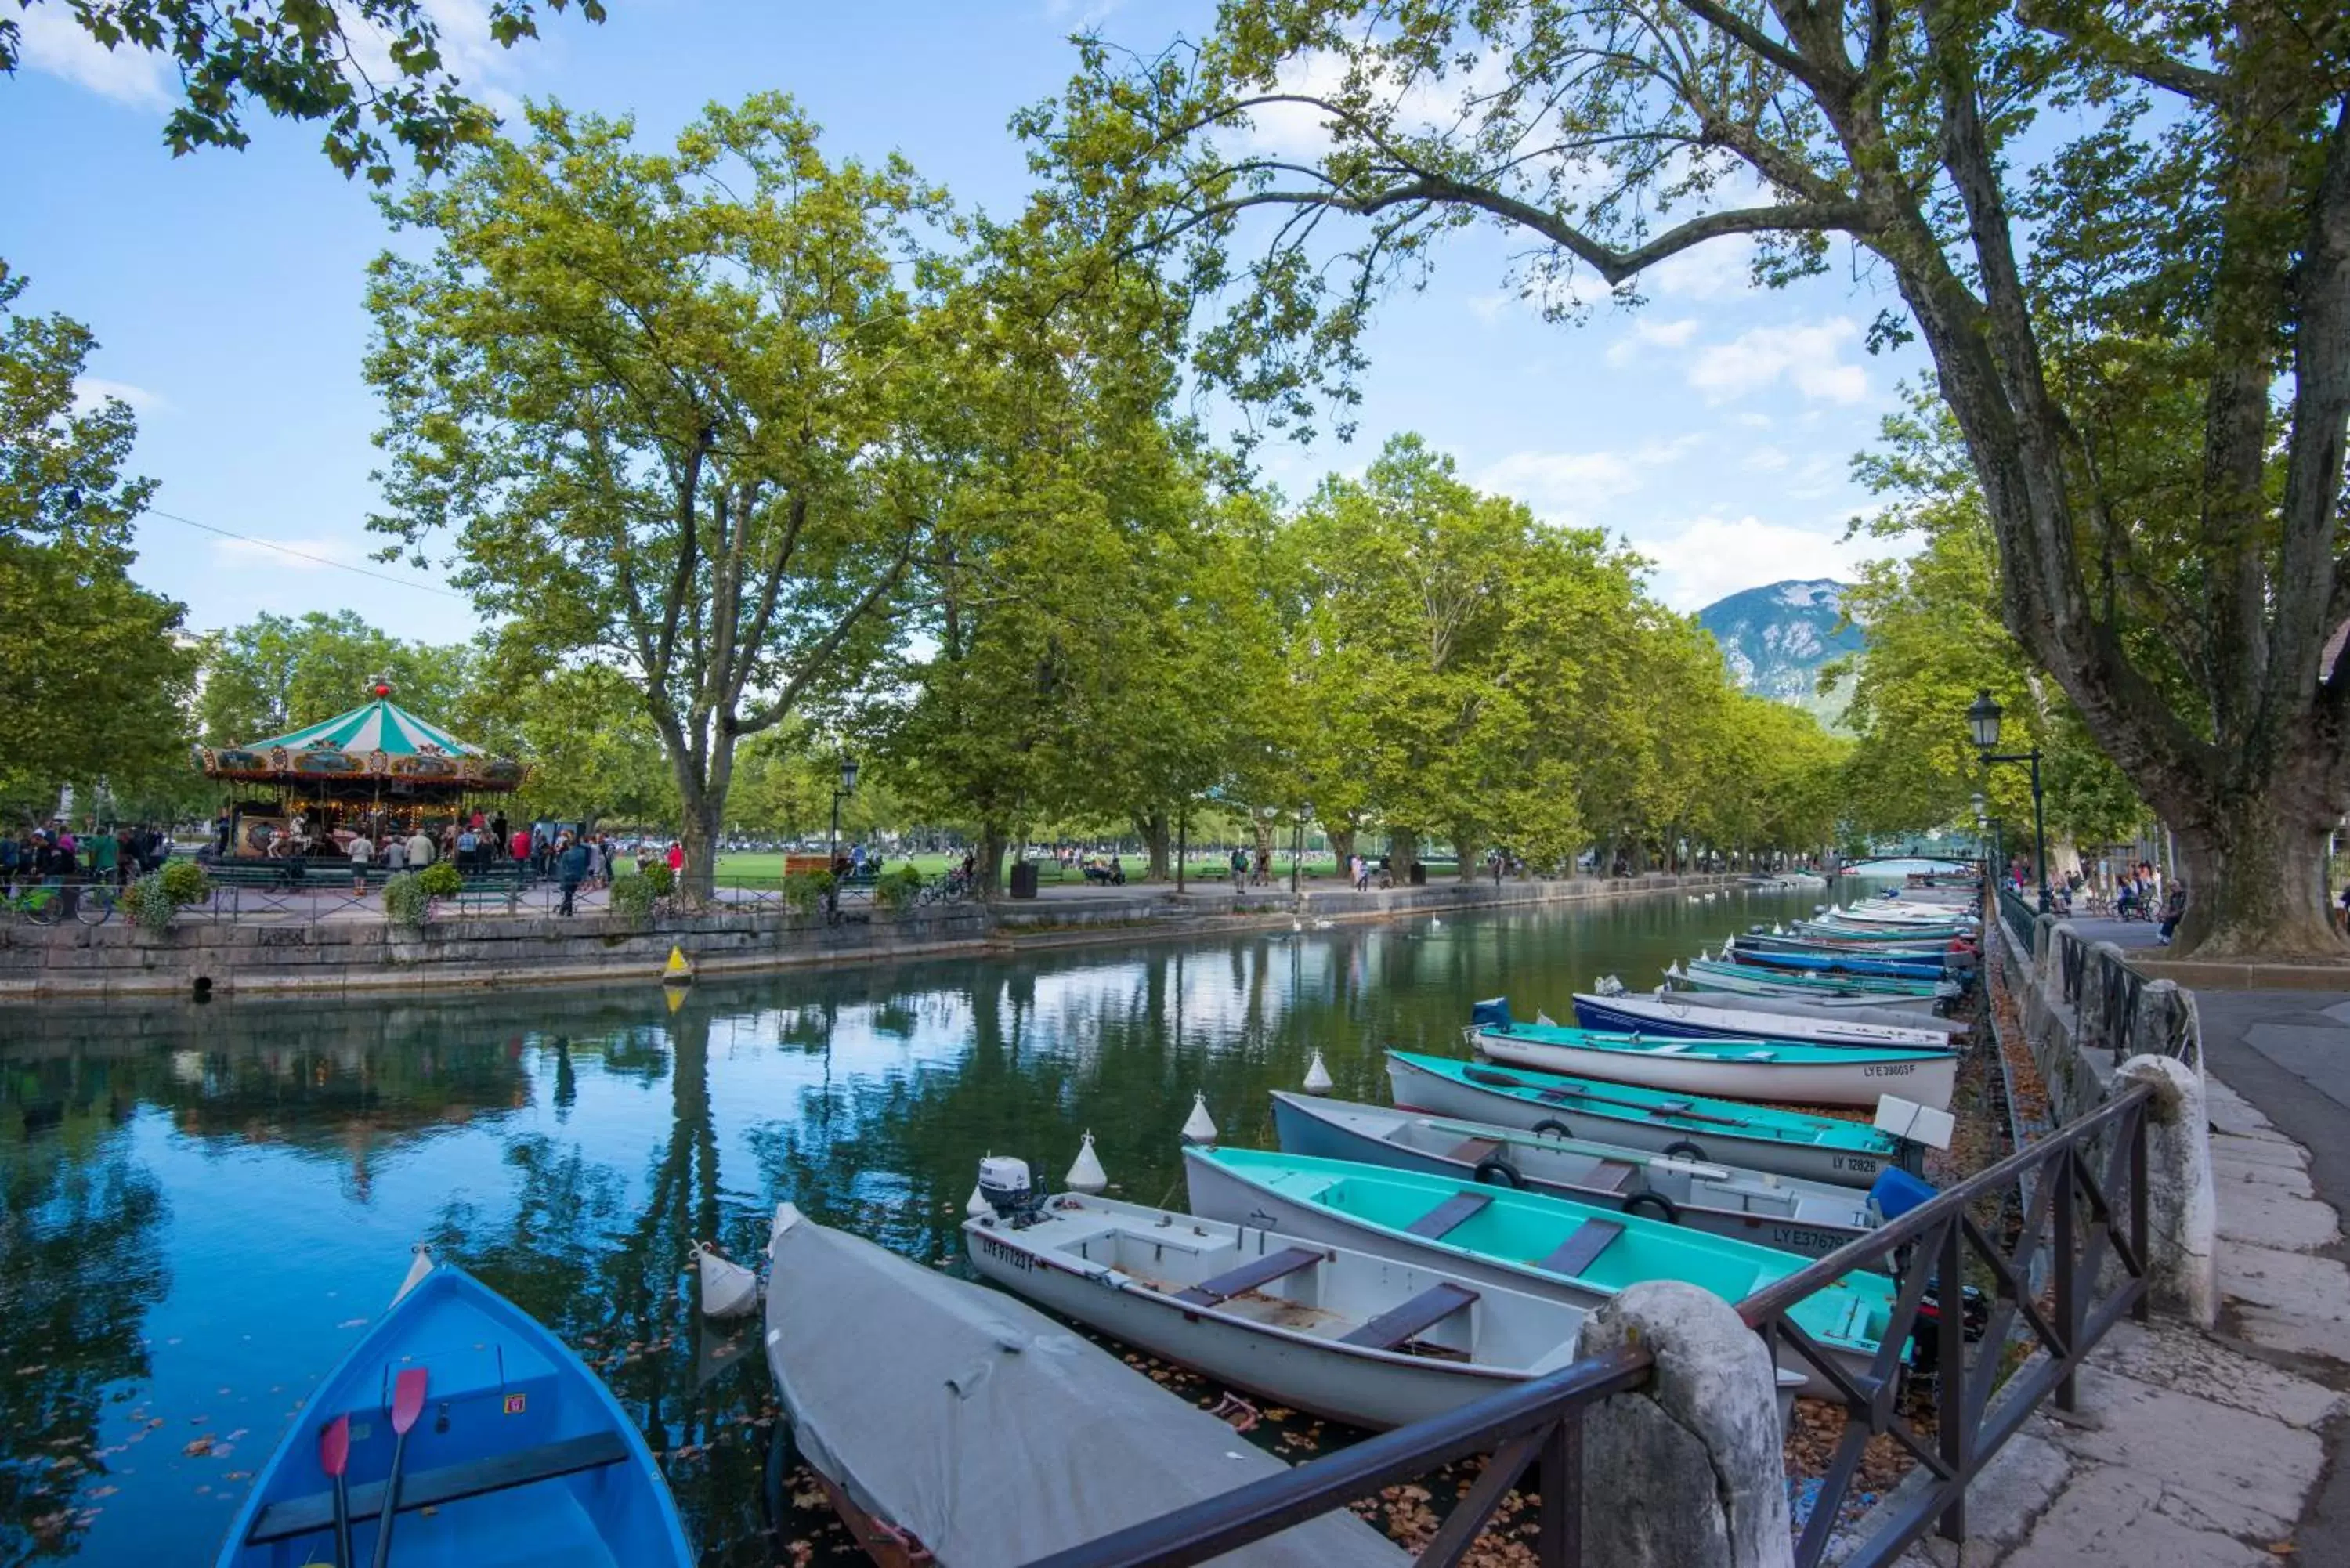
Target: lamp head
x,y
848,776
1982,720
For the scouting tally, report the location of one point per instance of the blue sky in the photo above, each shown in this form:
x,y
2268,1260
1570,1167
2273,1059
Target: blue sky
x,y
1711,428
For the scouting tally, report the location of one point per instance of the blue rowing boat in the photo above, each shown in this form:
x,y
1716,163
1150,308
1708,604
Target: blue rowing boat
x,y
1841,963
512,1452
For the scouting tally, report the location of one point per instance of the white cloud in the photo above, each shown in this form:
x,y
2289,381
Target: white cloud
x,y
1701,561
1648,334
1767,459
1705,270
53,43
91,390
1811,357
1565,485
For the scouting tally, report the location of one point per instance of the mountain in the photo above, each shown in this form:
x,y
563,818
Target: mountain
x,y
1775,639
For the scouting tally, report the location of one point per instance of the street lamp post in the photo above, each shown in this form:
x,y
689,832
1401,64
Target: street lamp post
x,y
1297,844
1982,721
847,785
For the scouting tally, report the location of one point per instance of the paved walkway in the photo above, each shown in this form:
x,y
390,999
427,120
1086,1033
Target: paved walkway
x,y
2196,1450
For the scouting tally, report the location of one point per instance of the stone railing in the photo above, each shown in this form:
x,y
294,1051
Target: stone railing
x,y
2085,1011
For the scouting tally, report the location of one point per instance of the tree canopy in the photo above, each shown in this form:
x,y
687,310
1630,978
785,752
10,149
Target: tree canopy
x,y
95,671
2124,239
668,410
373,71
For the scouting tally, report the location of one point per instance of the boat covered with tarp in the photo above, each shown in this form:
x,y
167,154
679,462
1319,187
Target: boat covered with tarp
x,y
950,1423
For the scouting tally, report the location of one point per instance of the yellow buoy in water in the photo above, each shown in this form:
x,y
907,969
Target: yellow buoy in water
x,y
677,971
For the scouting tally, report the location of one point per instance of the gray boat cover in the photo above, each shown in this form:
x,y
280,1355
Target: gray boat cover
x,y
987,1431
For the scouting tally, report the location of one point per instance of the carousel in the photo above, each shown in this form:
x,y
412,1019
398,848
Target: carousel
x,y
378,769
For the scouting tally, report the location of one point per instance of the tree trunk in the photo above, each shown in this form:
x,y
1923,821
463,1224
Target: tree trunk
x,y
1151,828
987,864
2255,887
1342,845
1465,869
1403,854
700,835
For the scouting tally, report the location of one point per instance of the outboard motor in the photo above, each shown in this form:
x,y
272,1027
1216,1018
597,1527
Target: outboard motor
x,y
1003,1185
1492,1014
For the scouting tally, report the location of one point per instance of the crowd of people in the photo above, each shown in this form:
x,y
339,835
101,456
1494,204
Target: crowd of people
x,y
111,856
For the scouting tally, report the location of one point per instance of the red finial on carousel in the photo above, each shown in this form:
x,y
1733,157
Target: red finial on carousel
x,y
380,686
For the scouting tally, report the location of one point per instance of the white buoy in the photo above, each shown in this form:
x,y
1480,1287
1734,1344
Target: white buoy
x,y
419,1265
977,1207
1086,1173
1317,1076
728,1289
1200,1128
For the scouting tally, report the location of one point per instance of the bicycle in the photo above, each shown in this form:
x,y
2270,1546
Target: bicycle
x,y
48,903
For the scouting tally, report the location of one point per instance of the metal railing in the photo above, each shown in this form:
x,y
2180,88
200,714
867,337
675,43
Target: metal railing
x,y
1535,1423
2019,916
2071,1204
2082,1193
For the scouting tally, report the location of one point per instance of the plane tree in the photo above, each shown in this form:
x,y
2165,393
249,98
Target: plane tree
x,y
2062,193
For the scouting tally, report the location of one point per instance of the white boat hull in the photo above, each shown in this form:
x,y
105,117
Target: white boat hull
x,y
1929,1081
1273,1350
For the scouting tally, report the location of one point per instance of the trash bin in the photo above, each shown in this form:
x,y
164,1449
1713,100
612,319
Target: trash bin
x,y
1024,878
1419,877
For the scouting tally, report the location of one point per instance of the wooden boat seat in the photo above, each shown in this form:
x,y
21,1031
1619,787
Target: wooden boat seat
x,y
1609,1175
1474,1151
1583,1248
1761,1055
1258,1271
449,1484
1672,1047
1449,1215
1416,1316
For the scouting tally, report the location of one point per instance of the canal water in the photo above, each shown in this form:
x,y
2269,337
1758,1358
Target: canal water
x,y
206,1205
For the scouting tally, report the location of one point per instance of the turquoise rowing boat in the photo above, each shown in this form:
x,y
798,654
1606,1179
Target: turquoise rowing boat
x,y
1520,1241
1780,1071
1705,969
1723,1132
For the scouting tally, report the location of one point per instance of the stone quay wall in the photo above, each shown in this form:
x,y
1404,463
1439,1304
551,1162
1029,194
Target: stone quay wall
x,y
198,955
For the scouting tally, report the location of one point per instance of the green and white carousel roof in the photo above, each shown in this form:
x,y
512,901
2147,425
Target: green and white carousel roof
x,y
374,741
383,725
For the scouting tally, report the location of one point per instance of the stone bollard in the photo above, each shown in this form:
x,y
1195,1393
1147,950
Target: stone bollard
x,y
2182,1208
2159,1005
1687,1471
2044,952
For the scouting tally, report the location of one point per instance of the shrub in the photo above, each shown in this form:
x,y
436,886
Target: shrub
x,y
406,899
661,878
804,891
632,897
442,880
897,889
149,903
184,881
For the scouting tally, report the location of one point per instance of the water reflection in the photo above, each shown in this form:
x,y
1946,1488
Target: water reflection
x,y
205,1205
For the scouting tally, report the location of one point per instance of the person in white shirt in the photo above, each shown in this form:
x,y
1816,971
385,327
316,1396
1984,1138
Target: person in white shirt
x,y
362,851
419,850
395,852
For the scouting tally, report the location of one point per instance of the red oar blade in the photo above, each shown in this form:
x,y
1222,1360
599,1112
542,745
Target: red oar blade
x,y
334,1446
407,1399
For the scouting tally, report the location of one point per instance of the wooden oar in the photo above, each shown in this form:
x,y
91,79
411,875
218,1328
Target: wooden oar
x,y
407,1403
335,1458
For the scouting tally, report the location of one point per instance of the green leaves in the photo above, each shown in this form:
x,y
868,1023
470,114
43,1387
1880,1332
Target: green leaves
x,y
93,673
310,61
